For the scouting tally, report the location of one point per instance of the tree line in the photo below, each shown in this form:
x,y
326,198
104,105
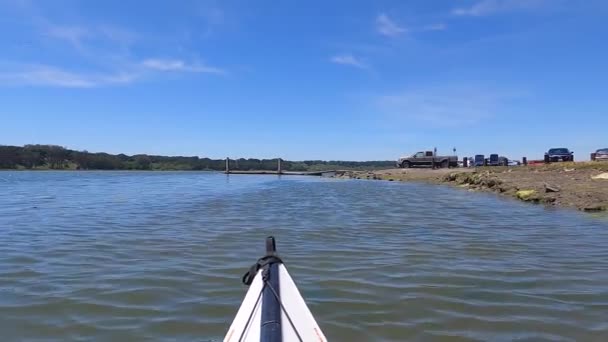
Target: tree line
x,y
60,158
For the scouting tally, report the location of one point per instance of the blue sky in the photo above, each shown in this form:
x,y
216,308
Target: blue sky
x,y
349,80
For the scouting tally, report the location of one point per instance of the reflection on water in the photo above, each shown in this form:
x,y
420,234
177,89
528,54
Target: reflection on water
x,y
143,256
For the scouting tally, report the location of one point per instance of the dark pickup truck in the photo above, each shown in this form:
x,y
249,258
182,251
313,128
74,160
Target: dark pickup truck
x,y
495,160
558,155
427,158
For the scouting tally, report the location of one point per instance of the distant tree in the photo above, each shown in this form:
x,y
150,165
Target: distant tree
x,y
31,159
81,159
9,157
293,166
142,162
123,157
57,156
104,161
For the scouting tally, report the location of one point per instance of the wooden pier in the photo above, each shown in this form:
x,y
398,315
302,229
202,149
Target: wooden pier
x,y
283,173
279,171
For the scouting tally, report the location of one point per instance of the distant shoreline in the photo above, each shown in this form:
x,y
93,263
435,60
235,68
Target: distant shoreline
x,y
106,170
234,172
52,157
569,185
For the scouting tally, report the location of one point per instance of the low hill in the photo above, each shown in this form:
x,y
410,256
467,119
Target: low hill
x,y
55,157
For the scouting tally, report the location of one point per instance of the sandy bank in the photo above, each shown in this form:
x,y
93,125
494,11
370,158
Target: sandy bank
x,y
569,185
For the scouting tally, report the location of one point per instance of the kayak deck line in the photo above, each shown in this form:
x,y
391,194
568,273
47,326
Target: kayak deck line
x,y
272,299
270,328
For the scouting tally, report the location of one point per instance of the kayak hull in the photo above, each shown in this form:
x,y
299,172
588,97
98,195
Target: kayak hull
x,y
297,322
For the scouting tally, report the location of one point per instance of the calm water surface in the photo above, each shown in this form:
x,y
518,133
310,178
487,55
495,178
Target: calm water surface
x,y
136,256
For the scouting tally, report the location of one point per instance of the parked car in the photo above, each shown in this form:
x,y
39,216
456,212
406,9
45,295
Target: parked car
x,y
601,154
513,163
480,160
493,160
559,154
496,160
427,158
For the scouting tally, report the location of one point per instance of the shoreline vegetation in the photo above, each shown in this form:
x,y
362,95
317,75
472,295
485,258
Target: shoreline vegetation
x,y
53,157
577,185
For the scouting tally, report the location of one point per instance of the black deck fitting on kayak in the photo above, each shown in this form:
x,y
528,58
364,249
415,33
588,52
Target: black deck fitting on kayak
x,y
271,246
270,324
271,257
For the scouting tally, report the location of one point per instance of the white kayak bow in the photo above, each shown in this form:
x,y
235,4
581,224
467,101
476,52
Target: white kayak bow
x,y
273,309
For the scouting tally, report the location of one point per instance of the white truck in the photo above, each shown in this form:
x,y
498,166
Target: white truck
x,y
427,158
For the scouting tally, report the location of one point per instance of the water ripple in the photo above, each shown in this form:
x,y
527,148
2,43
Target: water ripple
x,y
158,256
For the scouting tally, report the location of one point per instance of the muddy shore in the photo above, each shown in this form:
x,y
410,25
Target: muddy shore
x,y
573,185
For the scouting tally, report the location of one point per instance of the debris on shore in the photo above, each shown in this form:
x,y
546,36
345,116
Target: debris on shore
x,y
601,176
582,185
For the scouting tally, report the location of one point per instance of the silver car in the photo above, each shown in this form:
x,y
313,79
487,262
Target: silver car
x,y
601,154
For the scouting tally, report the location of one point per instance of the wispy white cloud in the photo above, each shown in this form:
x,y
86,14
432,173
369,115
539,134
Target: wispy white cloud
x,y
117,34
90,38
386,26
435,27
45,75
71,34
489,7
177,65
457,105
348,59
106,54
